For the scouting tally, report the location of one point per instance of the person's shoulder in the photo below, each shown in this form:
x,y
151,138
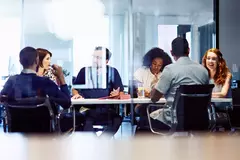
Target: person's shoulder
x,y
171,66
142,70
111,68
43,79
229,74
48,83
198,65
13,77
201,68
83,69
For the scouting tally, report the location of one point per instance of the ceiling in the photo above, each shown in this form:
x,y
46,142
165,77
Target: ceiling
x,y
35,20
160,7
148,7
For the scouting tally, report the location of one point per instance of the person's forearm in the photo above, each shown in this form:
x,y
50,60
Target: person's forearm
x,y
62,81
74,92
218,95
155,95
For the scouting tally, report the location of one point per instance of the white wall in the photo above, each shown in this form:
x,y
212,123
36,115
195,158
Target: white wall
x,y
229,31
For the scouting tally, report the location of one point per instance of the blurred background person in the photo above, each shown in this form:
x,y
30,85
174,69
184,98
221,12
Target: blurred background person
x,y
93,77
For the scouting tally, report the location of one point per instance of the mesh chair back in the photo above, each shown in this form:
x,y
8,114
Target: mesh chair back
x,y
191,103
234,114
29,115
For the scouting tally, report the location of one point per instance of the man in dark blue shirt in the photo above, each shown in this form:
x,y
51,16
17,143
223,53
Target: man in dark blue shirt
x,y
103,80
28,84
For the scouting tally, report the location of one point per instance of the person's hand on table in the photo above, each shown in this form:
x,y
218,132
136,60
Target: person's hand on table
x,y
115,93
77,96
147,93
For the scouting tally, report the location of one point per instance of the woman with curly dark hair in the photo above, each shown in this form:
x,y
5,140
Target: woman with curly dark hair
x,y
154,62
218,71
148,75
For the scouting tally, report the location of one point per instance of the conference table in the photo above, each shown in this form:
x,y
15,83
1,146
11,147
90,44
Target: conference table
x,y
134,101
86,147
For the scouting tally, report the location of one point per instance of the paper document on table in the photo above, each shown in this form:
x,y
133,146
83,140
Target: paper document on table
x,y
109,97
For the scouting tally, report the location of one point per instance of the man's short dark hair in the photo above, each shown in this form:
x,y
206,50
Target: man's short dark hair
x,y
108,53
180,47
28,56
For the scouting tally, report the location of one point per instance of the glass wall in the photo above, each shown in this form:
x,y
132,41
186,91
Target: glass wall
x,y
159,22
10,39
71,29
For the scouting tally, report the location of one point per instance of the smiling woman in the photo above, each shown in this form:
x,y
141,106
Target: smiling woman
x,y
218,71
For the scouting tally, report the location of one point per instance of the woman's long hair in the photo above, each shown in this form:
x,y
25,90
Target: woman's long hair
x,y
221,70
42,53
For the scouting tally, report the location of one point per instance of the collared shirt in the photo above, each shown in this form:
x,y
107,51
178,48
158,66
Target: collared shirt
x,y
183,72
27,71
89,77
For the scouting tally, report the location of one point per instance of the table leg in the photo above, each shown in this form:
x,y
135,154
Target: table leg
x,y
132,114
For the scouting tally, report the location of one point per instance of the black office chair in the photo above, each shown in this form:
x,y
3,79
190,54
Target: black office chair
x,y
190,109
30,115
220,114
238,83
234,111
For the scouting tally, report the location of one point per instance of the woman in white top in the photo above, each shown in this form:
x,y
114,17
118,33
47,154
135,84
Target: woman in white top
x,y
148,75
154,62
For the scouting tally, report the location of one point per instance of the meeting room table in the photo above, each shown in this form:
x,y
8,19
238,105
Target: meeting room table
x,y
83,101
132,101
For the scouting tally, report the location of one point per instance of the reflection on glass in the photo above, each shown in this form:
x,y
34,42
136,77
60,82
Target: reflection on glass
x,y
71,29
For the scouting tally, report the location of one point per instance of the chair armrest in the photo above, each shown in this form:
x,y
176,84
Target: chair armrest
x,y
149,118
74,117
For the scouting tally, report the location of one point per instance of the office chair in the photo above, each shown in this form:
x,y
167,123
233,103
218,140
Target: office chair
x,y
220,114
234,111
190,109
29,115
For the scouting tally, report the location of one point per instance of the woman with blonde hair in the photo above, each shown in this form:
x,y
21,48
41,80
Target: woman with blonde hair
x,y
218,71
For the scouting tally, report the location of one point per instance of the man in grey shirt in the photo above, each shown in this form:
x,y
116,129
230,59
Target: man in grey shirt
x,y
183,72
